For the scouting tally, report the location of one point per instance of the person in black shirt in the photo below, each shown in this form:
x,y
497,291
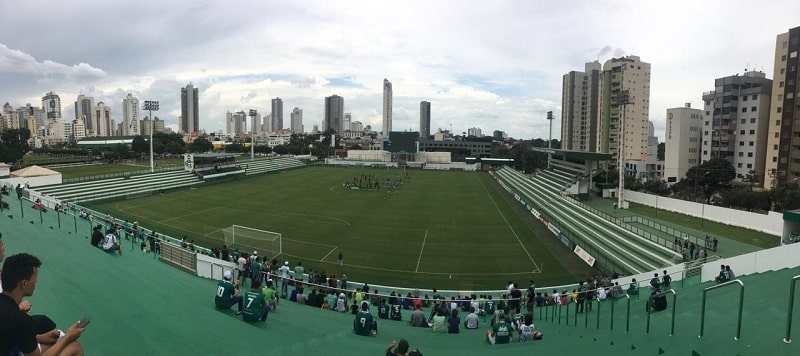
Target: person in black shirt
x,y
17,329
97,236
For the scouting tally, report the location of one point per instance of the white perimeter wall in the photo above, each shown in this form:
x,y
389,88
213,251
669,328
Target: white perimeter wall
x,y
211,267
771,224
33,181
761,261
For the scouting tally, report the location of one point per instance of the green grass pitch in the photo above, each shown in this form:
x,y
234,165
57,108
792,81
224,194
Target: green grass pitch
x,y
446,230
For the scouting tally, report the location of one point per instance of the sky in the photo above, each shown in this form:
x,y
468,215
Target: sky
x,y
495,65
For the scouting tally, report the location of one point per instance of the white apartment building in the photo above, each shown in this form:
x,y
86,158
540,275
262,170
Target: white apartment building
x,y
130,116
579,108
682,147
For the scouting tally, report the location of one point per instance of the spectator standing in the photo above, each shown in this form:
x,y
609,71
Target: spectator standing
x,y
340,259
299,271
284,274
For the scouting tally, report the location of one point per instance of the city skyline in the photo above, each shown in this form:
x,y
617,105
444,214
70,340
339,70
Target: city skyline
x,y
501,78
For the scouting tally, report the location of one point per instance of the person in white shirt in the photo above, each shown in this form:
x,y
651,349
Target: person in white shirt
x,y
240,266
283,272
601,293
111,244
471,322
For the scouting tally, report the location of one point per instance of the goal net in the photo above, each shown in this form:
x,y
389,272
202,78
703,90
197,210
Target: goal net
x,y
267,243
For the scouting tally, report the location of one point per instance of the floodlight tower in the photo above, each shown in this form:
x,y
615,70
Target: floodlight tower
x,y
550,140
151,105
252,113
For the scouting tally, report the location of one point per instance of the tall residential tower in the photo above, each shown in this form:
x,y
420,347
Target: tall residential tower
x,y
387,107
334,114
579,109
424,120
783,148
190,115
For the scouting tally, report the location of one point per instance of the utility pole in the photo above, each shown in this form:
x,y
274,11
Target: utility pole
x,y
253,113
151,105
550,140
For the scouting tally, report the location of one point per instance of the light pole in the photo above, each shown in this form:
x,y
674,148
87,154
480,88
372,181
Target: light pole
x,y
703,201
151,105
549,141
623,99
253,114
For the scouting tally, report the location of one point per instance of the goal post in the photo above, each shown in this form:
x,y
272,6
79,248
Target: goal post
x,y
267,243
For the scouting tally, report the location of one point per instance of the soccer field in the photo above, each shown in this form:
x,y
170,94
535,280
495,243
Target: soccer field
x,y
446,230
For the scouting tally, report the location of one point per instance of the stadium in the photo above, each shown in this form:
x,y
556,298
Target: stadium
x,y
405,222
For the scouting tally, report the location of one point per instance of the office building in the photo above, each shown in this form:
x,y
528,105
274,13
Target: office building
x,y
424,120
158,126
277,115
334,114
579,108
190,110
83,110
683,142
297,120
736,120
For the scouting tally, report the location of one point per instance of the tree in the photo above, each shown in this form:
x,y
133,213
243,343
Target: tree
x,y
662,146
712,176
140,145
200,144
281,150
13,144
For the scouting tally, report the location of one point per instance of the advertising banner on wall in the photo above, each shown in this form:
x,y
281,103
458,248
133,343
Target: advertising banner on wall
x,y
585,256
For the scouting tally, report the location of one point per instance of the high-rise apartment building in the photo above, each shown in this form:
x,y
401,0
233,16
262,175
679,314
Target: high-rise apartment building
x,y
348,119
103,125
334,114
620,76
78,129
387,107
190,110
783,144
130,116
735,122
277,114
579,108
424,120
297,120
240,123
682,147
158,126
83,110
51,104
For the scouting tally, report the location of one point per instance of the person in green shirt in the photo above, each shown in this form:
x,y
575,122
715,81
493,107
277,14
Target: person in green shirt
x,y
298,272
227,294
500,332
633,288
270,295
255,270
255,307
364,325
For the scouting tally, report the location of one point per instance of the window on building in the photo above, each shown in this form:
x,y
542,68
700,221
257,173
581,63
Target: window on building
x,y
785,44
783,70
775,147
749,154
779,109
793,54
743,121
752,132
705,133
744,109
789,95
708,102
741,132
753,108
755,96
739,165
780,97
741,143
707,122
777,134
749,165
741,154
744,97
752,143
705,143
783,58
705,153
774,159
777,122
780,84
752,120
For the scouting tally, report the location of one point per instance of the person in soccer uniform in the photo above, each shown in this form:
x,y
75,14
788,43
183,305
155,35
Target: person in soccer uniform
x,y
383,310
500,333
255,307
363,324
394,313
227,294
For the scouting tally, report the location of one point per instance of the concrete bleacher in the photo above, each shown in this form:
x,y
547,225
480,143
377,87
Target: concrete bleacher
x,y
270,165
119,187
628,252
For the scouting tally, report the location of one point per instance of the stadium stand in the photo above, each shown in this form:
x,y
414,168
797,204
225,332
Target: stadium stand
x,y
633,253
119,187
271,165
154,308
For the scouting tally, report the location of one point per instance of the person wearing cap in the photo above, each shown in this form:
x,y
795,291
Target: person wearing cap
x,y
284,274
227,294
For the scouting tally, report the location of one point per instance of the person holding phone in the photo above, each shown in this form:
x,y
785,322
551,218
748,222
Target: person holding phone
x,y
17,328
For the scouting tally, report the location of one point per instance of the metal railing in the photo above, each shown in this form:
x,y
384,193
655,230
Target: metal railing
x,y
627,314
741,306
650,309
790,310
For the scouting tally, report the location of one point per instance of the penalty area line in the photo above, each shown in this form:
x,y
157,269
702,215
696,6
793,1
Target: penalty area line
x,y
329,253
420,250
509,225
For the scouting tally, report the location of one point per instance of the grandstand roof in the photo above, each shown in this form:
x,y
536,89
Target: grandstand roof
x,y
105,141
586,156
33,171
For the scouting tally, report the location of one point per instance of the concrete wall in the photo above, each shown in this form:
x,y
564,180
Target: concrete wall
x,y
33,181
760,261
771,224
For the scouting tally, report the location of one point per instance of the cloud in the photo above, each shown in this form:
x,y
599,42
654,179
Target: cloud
x,y
16,61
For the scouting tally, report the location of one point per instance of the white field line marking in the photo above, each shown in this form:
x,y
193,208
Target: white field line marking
x,y
507,223
420,251
187,214
329,253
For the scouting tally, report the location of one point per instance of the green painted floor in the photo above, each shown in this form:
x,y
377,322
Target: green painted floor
x,y
140,306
